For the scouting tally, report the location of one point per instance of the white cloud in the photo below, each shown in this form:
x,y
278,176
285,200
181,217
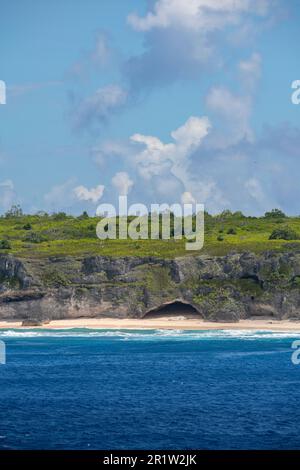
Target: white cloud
x,y
157,157
217,165
154,158
84,194
122,183
66,196
185,39
97,109
204,15
187,198
206,190
192,132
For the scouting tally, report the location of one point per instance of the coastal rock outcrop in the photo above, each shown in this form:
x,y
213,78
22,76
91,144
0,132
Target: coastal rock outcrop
x,y
220,288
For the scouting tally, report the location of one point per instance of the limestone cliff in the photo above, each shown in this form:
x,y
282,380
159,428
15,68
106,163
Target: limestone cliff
x,y
225,288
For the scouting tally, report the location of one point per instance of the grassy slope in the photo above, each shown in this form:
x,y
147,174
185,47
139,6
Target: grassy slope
x,y
77,237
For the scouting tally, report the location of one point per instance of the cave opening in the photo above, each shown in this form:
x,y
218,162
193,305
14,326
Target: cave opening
x,y
174,309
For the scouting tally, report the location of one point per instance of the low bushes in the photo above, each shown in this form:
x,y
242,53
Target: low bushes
x,y
284,233
5,245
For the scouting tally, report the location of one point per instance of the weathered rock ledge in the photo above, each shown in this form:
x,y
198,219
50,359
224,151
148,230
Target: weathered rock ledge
x,y
229,288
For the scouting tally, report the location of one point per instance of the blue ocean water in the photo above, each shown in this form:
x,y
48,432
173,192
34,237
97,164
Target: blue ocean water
x,y
105,389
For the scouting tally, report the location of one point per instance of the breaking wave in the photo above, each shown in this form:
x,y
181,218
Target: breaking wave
x,y
148,335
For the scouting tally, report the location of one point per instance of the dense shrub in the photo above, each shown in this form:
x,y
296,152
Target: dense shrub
x,y
83,216
275,213
220,238
27,226
59,216
231,231
5,245
284,233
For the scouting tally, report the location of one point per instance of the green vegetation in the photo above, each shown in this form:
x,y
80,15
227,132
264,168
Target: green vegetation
x,y
44,235
5,245
284,233
54,278
157,278
34,237
275,214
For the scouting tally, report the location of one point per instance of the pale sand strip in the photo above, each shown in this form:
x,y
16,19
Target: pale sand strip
x,y
161,323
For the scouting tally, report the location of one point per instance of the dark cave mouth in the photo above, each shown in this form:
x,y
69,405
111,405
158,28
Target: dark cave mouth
x,y
174,309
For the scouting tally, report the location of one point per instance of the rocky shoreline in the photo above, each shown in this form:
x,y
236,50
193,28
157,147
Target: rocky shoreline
x,y
229,288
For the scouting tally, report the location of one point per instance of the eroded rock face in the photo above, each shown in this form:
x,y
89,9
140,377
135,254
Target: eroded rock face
x,y
225,288
13,274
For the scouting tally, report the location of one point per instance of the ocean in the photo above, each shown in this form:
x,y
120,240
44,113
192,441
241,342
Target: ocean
x,y
107,389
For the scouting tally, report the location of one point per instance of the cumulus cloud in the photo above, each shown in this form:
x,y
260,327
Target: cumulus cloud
x,y
187,198
217,160
183,38
98,108
157,158
122,182
67,195
197,15
249,175
93,195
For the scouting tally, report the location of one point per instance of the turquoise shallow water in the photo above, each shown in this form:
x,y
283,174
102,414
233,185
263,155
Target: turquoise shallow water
x,y
131,389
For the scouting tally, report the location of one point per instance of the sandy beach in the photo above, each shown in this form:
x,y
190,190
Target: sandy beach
x,y
180,323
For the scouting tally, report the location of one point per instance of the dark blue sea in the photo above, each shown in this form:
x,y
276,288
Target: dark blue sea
x,y
104,389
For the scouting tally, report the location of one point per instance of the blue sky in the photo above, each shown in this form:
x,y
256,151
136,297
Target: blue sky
x,y
165,101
